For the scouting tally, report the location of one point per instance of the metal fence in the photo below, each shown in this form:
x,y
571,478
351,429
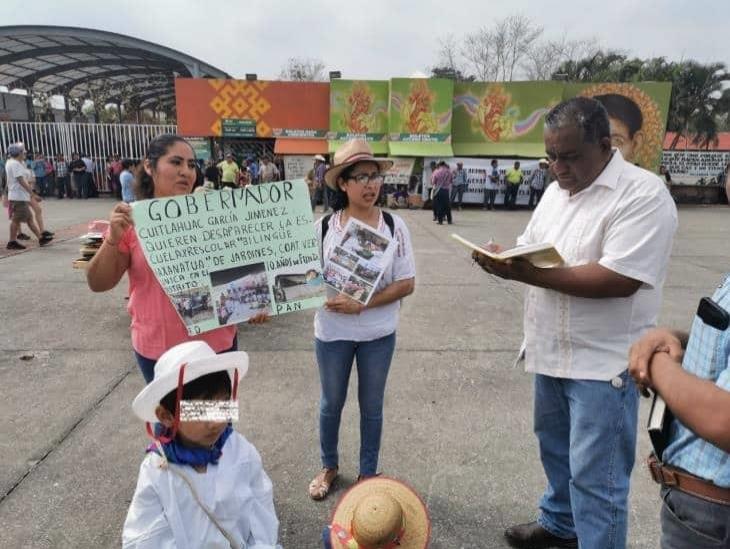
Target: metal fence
x,y
98,141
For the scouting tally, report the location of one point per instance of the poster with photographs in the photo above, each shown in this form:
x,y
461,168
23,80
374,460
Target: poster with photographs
x,y
356,264
225,256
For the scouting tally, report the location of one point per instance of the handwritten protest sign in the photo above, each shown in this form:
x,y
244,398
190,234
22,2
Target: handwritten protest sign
x,y
355,266
224,256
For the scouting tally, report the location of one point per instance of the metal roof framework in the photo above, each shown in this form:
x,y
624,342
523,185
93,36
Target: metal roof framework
x,y
71,62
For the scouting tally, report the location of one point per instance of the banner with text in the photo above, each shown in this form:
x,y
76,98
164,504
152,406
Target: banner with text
x,y
477,172
225,256
212,107
420,116
359,109
401,171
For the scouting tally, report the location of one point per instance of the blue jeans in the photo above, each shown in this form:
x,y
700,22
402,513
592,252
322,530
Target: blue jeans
x,y
147,365
587,436
335,360
688,521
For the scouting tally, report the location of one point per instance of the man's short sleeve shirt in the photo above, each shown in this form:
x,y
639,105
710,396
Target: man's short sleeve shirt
x,y
707,357
625,221
14,171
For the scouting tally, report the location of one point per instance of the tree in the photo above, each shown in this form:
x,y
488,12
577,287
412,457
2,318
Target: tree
x,y
451,74
478,50
497,52
699,102
303,69
545,57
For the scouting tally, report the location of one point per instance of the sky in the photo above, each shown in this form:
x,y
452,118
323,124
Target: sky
x,y
379,39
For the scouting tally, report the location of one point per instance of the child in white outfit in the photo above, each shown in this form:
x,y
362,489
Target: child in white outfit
x,y
202,484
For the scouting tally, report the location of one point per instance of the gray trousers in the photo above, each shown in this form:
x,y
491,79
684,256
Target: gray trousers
x,y
689,522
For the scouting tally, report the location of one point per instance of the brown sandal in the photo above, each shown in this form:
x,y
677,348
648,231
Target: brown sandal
x,y
321,484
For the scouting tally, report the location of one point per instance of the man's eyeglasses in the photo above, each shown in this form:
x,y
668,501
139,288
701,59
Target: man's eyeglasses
x,y
363,178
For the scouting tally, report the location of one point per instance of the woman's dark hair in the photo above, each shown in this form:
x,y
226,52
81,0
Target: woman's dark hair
x,y
144,187
127,163
205,387
339,199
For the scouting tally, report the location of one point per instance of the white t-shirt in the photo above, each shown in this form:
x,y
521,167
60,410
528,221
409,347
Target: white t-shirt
x,y
624,221
371,323
15,170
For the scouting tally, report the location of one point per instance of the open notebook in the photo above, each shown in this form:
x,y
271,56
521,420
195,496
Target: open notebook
x,y
544,256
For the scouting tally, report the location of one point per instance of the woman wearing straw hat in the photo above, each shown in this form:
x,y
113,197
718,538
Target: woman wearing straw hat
x,y
344,329
379,513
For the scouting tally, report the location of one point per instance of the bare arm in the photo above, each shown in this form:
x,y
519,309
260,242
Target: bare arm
x,y
27,186
109,264
657,340
699,404
590,281
393,292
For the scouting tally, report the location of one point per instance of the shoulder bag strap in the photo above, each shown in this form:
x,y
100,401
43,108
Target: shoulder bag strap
x,y
211,516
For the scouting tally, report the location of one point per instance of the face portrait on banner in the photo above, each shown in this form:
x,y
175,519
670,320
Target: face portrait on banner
x,y
636,118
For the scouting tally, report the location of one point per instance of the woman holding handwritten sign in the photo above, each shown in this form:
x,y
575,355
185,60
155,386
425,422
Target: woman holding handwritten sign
x,y
346,329
168,170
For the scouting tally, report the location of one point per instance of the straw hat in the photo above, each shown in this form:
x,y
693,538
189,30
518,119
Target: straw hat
x,y
352,152
199,360
320,158
378,512
543,161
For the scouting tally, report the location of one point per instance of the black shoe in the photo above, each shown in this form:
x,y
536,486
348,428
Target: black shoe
x,y
534,536
48,234
45,240
14,245
23,236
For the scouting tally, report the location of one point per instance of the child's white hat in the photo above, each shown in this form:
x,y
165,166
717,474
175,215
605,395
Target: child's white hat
x,y
199,359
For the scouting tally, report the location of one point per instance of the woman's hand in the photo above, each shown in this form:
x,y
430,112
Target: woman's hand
x,y
259,318
120,219
343,304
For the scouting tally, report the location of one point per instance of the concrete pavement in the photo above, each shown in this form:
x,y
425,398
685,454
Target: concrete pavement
x,y
458,416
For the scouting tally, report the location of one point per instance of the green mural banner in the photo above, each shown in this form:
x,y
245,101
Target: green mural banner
x,y
637,113
225,256
420,116
502,118
359,110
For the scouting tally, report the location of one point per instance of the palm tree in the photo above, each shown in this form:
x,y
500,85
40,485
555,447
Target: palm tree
x,y
698,102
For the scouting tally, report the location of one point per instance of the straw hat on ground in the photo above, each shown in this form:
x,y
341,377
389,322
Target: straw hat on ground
x,y
199,360
352,152
380,513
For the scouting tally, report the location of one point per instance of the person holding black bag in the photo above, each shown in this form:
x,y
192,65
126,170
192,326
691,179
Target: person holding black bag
x,y
691,373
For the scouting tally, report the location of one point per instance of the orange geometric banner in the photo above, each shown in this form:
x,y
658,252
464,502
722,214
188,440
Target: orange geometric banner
x,y
280,109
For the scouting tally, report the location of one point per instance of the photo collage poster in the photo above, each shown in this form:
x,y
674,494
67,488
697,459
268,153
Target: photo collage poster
x,y
356,264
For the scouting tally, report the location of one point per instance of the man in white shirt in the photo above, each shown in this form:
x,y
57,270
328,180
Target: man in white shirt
x,y
613,223
19,194
269,172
